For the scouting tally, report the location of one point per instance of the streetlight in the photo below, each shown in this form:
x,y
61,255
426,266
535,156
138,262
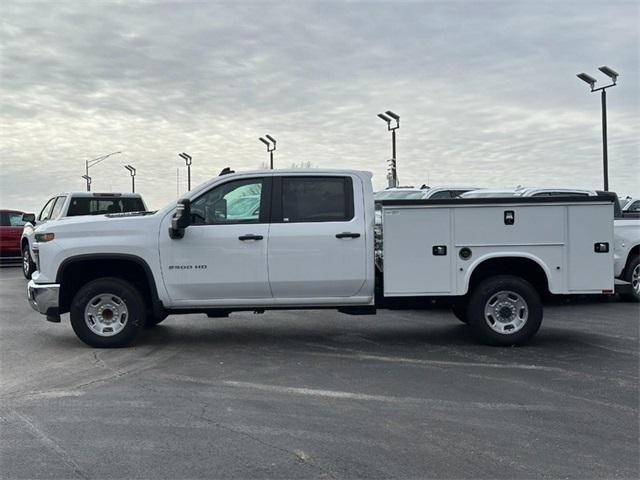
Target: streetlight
x,y
613,75
271,146
132,171
91,163
390,117
88,180
187,160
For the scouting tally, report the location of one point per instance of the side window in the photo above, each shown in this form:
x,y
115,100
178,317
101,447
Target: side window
x,y
45,214
15,220
233,202
441,195
634,207
57,207
317,199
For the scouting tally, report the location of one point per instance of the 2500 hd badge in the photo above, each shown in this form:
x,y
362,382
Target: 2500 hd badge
x,y
187,267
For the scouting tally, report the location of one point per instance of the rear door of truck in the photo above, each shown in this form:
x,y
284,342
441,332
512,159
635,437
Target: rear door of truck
x,y
317,246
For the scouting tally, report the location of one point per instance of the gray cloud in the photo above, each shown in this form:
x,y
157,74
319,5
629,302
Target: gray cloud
x,y
487,91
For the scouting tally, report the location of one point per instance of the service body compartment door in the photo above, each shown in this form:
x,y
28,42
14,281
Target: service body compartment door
x,y
590,271
417,251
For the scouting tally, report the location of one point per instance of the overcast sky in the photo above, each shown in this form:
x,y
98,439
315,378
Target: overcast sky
x,y
486,91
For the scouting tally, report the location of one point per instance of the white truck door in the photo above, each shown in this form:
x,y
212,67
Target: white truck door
x,y
317,237
223,254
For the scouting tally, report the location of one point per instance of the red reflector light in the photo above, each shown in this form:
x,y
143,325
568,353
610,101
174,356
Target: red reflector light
x,y
607,291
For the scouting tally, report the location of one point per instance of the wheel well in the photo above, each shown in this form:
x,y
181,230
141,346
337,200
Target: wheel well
x,y
524,268
74,274
24,243
632,253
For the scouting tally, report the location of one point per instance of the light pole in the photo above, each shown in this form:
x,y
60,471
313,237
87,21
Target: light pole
x,y
187,160
613,75
91,163
392,118
132,171
271,146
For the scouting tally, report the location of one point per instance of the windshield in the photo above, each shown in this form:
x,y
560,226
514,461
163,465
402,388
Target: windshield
x,y
399,195
102,205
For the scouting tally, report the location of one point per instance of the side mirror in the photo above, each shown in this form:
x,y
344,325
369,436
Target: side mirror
x,y
29,218
181,219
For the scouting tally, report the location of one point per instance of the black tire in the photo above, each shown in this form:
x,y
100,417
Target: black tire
x,y
28,265
515,291
116,288
633,295
459,311
152,320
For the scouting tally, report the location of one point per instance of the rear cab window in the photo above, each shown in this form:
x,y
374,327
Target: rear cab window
x,y
103,205
316,199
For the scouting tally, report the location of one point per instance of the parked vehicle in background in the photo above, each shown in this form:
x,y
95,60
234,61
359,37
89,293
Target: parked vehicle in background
x,y
424,192
626,232
633,205
72,205
489,193
11,226
311,244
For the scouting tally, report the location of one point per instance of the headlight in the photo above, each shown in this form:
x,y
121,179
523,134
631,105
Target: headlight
x,y
44,237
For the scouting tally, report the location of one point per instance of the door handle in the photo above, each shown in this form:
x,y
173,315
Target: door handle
x,y
250,237
347,235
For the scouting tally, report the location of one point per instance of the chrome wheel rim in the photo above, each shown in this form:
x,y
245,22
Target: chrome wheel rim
x,y
106,314
25,261
635,279
506,312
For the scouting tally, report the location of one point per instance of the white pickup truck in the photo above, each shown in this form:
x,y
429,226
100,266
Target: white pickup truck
x,y
73,204
310,244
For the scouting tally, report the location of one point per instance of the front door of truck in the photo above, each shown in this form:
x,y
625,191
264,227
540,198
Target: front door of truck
x,y
223,254
317,238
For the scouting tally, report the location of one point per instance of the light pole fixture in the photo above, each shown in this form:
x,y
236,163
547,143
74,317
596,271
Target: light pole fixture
x,y
271,146
187,160
132,171
91,163
613,75
393,123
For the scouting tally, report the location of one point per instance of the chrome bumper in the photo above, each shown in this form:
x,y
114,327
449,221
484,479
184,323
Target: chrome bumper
x,y
43,298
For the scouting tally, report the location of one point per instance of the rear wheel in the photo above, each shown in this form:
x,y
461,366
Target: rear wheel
x,y
107,313
632,275
28,265
504,310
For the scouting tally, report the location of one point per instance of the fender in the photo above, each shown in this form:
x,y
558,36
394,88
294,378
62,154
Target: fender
x,y
156,303
489,256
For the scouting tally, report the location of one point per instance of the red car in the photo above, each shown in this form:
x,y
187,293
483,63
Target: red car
x,y
11,226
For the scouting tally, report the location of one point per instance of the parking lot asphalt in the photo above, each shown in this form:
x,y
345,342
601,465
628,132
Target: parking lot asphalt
x,y
318,394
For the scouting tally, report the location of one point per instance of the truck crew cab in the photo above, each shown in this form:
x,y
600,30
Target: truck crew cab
x,y
282,239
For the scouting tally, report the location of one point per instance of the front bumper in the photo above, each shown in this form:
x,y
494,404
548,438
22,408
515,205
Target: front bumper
x,y
43,298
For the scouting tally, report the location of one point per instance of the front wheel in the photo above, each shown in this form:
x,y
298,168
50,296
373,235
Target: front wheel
x,y
28,265
504,310
107,313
